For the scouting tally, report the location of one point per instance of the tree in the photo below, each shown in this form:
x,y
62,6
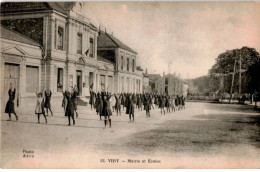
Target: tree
x,y
224,68
254,78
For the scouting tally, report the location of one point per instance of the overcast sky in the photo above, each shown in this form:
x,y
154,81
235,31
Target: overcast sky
x,y
189,35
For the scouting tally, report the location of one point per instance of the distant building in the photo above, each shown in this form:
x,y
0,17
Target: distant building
x,y
146,84
127,77
169,85
152,79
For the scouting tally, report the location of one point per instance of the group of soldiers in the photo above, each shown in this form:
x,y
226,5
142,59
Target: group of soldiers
x,y
104,103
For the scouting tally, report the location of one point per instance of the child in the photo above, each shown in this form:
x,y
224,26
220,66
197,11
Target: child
x,y
9,108
40,107
47,103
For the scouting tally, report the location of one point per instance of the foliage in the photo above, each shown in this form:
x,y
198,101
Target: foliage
x,y
32,28
219,78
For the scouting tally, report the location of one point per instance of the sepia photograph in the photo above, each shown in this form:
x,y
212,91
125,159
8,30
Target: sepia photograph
x,y
130,85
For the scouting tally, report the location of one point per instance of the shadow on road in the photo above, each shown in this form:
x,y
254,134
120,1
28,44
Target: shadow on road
x,y
26,122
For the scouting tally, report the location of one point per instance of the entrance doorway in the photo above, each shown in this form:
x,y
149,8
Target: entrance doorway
x,y
79,82
12,72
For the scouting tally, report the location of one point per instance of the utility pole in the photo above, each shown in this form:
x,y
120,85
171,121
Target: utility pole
x,y
232,83
239,76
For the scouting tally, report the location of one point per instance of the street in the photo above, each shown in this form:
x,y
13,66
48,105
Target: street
x,y
203,135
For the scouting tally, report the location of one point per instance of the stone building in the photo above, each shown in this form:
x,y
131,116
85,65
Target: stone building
x,y
152,79
20,60
127,77
169,84
64,47
54,46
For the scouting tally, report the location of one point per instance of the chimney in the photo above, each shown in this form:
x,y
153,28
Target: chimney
x,y
145,70
163,73
179,75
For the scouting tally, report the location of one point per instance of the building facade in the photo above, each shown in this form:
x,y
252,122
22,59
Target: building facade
x,y
64,47
54,46
20,61
169,85
127,78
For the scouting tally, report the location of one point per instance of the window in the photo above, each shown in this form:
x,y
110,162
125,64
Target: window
x,y
110,84
91,47
79,43
127,64
122,62
60,38
123,84
134,85
103,82
133,65
128,84
166,81
91,80
71,81
60,80
32,79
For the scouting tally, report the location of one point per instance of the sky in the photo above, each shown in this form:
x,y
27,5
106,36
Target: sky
x,y
180,37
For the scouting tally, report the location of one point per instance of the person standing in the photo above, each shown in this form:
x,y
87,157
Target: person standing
x,y
156,101
123,100
183,102
99,105
75,99
163,105
92,99
106,111
177,103
112,102
117,104
172,103
40,107
9,108
130,108
138,102
64,101
147,105
167,104
47,102
70,107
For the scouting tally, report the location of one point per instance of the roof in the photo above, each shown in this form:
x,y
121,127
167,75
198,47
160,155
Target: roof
x,y
145,75
24,6
154,77
61,7
103,59
15,36
106,40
